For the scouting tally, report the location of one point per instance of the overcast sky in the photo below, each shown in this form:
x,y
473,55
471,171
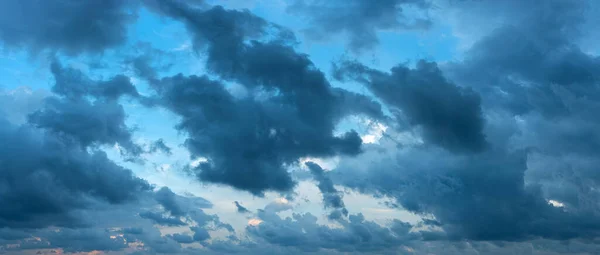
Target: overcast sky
x,y
299,127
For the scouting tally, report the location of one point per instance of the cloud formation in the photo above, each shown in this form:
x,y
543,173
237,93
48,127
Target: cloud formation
x,y
361,20
332,198
100,121
249,141
302,231
46,178
533,80
450,116
492,152
69,27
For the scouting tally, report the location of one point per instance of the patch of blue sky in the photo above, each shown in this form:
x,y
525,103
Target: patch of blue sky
x,y
18,68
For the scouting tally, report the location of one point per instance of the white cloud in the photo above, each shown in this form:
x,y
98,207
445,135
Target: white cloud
x,y
556,203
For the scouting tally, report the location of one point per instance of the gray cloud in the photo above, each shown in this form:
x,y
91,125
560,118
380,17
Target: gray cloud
x,y
301,231
360,20
83,240
159,145
537,92
160,219
45,179
250,140
450,116
179,211
88,123
51,169
524,98
70,27
182,238
240,208
119,228
165,197
332,198
464,197
74,84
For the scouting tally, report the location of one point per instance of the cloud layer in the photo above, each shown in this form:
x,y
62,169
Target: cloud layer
x,y
494,151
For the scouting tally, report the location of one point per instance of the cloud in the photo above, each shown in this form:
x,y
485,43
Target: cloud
x,y
159,145
360,20
332,198
119,228
249,141
178,211
240,208
160,219
45,179
70,27
52,169
85,122
302,231
147,61
450,116
182,238
495,151
536,91
74,84
83,240
532,70
472,20
165,197
461,195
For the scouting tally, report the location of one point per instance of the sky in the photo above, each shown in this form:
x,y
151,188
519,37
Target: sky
x,y
299,127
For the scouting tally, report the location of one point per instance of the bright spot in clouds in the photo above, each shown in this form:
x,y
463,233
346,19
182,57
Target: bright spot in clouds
x,y
374,133
254,222
198,161
556,203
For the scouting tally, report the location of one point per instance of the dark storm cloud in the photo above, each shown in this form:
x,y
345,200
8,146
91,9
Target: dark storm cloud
x,y
332,198
464,194
51,168
165,197
524,97
533,68
85,123
266,135
70,27
360,20
74,84
89,123
538,91
450,116
250,140
45,179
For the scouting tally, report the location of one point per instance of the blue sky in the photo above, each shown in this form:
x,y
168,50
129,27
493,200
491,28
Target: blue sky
x,y
380,127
